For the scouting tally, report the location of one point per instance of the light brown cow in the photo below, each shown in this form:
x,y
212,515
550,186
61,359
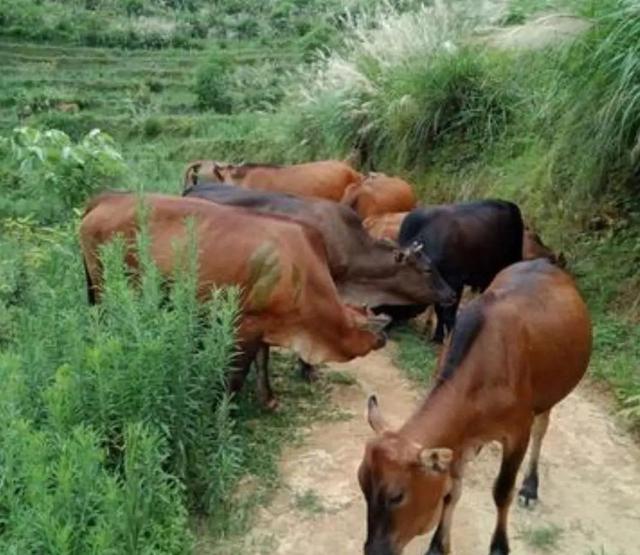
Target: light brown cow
x,y
379,194
533,247
516,351
288,298
326,179
384,226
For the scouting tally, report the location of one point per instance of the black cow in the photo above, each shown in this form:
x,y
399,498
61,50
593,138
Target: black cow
x,y
469,243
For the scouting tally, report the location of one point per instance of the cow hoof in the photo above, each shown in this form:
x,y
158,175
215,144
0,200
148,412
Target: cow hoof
x,y
308,373
527,497
526,501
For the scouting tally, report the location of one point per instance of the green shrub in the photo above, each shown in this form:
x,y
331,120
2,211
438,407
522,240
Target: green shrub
x,y
212,83
597,109
47,175
114,421
407,82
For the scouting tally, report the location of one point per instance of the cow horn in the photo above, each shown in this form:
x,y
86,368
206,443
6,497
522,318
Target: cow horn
x,y
417,247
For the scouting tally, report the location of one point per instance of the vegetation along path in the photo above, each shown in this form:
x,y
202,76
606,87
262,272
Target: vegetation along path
x,y
590,471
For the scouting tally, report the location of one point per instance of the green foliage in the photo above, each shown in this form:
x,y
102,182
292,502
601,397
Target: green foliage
x,y
415,354
212,84
121,407
597,150
46,175
410,82
542,538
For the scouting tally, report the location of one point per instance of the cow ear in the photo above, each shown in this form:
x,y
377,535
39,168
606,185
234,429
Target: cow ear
x,y
374,416
436,460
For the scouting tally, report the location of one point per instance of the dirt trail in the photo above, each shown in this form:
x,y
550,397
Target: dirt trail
x,y
590,481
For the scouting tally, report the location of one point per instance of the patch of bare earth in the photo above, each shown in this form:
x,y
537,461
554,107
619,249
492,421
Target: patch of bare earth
x,y
590,481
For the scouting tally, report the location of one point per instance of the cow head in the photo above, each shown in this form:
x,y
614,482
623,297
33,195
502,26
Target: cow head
x,y
533,247
419,278
404,485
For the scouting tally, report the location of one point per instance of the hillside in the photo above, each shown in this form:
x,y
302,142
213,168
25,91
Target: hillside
x,y
535,101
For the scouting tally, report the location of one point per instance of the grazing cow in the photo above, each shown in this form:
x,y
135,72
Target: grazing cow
x,y
469,243
379,194
516,351
385,226
365,271
326,179
288,297
533,247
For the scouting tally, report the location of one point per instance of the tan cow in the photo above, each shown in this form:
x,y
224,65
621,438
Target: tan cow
x,y
288,297
326,179
379,194
384,226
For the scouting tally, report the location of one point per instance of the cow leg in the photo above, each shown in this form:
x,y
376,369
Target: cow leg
x,y
438,336
513,451
451,311
247,351
441,540
446,317
529,491
307,372
263,382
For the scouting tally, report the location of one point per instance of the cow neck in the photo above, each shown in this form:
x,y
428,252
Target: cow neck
x,y
365,266
446,416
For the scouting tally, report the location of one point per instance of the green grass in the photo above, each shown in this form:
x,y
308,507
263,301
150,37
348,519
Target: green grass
x,y
308,502
544,539
415,354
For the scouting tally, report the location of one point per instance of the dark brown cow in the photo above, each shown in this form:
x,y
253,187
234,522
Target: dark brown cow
x,y
326,179
288,297
516,351
379,194
365,271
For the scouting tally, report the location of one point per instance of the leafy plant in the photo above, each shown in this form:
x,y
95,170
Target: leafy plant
x,y
48,175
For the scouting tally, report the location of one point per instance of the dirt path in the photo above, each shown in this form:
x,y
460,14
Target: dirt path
x,y
590,481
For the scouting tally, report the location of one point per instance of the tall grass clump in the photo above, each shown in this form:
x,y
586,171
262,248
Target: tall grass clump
x,y
597,150
114,421
409,83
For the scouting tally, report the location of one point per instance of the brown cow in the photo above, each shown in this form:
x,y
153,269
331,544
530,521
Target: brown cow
x,y
379,194
384,226
323,179
516,351
288,297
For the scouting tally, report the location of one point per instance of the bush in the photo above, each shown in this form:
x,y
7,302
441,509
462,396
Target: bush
x,y
408,81
597,105
114,422
212,84
47,175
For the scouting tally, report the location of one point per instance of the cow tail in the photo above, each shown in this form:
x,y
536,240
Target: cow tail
x,y
91,293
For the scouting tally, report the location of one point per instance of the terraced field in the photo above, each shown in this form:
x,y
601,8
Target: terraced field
x,y
145,99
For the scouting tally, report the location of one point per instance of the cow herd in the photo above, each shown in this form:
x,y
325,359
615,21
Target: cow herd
x,y
325,258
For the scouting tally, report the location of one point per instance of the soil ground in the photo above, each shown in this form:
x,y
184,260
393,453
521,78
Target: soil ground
x,y
590,481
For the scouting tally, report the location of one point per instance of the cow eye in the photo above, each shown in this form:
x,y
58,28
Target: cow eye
x,y
396,499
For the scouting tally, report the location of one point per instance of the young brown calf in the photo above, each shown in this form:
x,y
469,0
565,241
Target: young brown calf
x,y
516,351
